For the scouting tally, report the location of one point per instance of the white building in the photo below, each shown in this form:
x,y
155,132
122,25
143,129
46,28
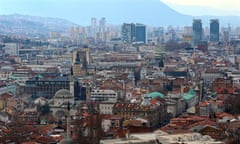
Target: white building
x,y
106,108
188,138
103,96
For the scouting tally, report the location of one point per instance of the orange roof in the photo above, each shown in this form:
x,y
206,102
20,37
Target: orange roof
x,y
203,123
5,96
203,104
5,130
30,142
224,114
224,90
173,128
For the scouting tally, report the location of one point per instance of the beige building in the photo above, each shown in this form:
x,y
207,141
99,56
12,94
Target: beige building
x,y
106,108
80,60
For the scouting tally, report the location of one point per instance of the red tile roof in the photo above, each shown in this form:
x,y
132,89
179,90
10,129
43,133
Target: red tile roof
x,y
203,123
224,114
45,140
30,142
185,123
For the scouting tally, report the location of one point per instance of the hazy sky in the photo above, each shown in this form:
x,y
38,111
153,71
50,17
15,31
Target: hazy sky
x,y
38,6
220,7
217,4
81,11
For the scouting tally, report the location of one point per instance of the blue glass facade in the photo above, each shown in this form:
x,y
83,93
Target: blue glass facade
x,y
214,30
141,33
197,31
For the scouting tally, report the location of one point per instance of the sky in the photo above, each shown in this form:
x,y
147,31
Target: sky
x,y
38,6
204,7
81,11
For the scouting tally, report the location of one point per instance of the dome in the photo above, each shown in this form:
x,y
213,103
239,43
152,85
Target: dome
x,y
67,141
63,92
189,95
156,94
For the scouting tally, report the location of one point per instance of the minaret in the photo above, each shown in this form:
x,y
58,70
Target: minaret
x,y
71,85
68,121
68,139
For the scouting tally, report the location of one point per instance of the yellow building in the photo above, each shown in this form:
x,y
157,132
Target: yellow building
x,y
3,100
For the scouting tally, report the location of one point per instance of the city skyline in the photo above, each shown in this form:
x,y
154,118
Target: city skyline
x,y
104,72
82,11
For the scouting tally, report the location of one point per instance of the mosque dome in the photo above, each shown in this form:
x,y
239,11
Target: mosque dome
x,y
63,93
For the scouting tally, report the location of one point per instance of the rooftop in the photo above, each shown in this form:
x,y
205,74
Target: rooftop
x,y
189,95
156,94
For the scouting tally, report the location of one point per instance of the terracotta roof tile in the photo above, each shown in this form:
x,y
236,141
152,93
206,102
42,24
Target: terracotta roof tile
x,y
224,114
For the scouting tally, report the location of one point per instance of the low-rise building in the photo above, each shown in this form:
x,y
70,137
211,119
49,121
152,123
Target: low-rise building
x,y
153,110
106,107
39,86
193,138
175,104
103,96
30,116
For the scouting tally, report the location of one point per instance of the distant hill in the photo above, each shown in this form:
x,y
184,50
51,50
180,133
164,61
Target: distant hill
x,y
32,25
149,12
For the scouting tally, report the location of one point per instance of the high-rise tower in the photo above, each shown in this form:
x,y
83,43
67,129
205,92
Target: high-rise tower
x,y
197,31
102,25
93,26
214,30
128,32
140,33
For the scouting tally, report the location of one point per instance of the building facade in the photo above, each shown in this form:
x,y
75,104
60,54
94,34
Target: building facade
x,y
155,114
197,31
40,87
80,61
103,96
141,33
214,30
128,32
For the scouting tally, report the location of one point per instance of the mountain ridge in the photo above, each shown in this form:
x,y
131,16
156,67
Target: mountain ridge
x,y
33,25
151,13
